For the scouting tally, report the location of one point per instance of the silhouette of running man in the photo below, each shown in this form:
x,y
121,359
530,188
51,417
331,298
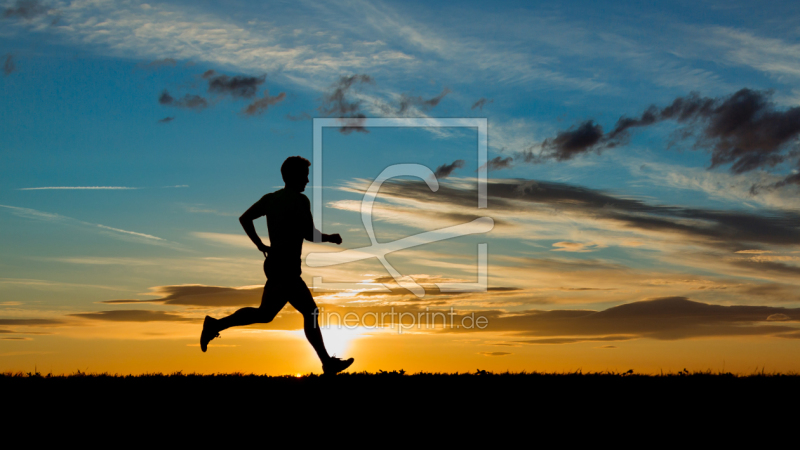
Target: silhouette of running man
x,y
289,221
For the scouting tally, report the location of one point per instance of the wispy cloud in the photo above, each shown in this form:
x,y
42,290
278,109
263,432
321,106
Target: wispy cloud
x,y
93,188
111,231
133,233
69,188
301,54
538,198
134,315
577,247
51,285
776,57
575,220
201,209
719,186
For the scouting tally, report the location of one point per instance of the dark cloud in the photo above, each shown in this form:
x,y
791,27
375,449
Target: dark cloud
x,y
743,130
567,144
355,123
162,63
394,292
495,353
134,315
777,292
239,86
664,318
166,119
397,292
8,65
498,162
445,170
299,117
259,106
570,340
200,295
205,297
189,101
407,101
769,266
790,179
481,103
336,103
216,297
26,9
5,331
728,229
30,322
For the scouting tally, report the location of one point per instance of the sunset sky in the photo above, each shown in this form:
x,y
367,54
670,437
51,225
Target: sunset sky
x,y
643,178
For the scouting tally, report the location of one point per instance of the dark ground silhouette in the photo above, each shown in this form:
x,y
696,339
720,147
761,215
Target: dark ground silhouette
x,y
599,409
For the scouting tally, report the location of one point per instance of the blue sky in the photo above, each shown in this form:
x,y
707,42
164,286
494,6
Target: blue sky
x,y
81,108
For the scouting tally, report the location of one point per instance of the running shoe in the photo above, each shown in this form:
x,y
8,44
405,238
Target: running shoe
x,y
209,333
336,365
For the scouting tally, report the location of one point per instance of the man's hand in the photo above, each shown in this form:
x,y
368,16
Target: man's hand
x,y
263,248
334,238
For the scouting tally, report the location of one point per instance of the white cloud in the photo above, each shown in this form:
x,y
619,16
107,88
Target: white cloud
x,y
77,188
111,231
720,186
132,233
773,56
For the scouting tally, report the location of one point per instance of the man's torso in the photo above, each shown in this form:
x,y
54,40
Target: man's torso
x,y
288,221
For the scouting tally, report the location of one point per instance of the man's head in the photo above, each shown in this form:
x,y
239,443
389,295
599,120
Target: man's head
x,y
295,172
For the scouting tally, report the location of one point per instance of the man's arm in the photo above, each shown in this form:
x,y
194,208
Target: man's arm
x,y
312,230
332,238
253,213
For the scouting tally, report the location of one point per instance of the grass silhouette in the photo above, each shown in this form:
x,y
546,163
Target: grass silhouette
x,y
553,400
382,374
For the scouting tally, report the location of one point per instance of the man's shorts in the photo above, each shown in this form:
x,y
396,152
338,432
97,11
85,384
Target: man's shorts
x,y
284,285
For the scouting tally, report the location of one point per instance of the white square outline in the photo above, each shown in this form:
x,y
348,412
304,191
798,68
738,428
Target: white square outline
x,y
467,122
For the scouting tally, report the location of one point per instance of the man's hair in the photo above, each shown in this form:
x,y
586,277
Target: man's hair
x,y
294,167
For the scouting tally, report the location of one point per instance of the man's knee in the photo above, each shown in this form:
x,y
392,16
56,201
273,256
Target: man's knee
x,y
266,316
310,314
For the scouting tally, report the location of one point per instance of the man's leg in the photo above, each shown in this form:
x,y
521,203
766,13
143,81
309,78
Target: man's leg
x,y
244,316
272,301
301,299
